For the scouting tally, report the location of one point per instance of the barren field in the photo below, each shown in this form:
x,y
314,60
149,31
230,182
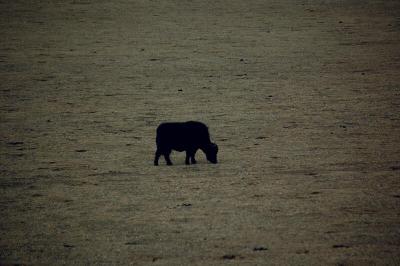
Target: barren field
x,y
302,97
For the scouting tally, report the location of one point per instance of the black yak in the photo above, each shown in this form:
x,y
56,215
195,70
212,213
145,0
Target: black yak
x,y
187,136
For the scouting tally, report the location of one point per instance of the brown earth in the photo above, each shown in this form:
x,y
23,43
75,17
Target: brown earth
x,y
303,98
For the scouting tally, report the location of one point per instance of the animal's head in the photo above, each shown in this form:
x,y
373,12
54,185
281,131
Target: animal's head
x,y
211,152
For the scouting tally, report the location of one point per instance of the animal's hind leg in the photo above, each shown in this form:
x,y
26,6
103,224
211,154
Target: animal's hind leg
x,y
156,157
167,159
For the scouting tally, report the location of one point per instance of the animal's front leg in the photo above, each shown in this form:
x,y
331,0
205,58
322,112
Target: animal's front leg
x,y
190,155
187,157
192,158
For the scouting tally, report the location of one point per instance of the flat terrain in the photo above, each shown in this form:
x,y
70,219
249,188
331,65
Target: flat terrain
x,y
302,97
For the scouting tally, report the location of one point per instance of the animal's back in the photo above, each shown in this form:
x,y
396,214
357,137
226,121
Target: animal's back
x,y
182,133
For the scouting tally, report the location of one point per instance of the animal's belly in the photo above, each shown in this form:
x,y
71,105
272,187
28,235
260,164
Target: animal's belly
x,y
179,148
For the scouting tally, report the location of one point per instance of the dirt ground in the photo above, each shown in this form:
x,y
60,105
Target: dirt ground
x,y
302,97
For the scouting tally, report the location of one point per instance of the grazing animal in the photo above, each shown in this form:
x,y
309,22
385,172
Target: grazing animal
x,y
187,136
